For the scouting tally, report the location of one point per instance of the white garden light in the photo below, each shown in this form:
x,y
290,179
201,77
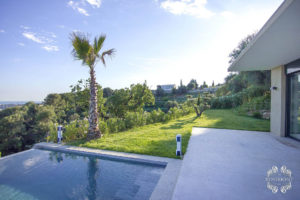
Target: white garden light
x,y
178,150
59,134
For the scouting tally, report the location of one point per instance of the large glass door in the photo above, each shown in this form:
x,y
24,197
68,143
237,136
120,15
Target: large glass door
x,y
294,105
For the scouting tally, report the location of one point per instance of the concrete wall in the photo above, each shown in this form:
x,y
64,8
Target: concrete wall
x,y
278,99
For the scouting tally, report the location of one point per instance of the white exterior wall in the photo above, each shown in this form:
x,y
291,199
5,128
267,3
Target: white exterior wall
x,y
278,101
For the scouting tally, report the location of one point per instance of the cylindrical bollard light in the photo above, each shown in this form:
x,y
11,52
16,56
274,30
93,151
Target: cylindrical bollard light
x,y
59,133
178,150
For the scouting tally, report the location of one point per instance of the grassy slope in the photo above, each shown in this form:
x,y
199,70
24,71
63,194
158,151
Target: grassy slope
x,y
159,139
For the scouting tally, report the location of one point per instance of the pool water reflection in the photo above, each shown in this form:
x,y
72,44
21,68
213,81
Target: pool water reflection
x,y
41,174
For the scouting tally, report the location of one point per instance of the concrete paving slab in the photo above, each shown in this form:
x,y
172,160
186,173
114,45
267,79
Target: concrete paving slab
x,y
233,164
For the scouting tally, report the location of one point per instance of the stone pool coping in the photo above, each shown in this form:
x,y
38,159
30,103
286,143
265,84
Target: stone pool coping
x,y
166,184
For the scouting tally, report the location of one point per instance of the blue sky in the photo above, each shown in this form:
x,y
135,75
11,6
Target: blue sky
x,y
161,41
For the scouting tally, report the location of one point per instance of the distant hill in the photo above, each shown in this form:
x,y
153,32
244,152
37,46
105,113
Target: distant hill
x,y
8,104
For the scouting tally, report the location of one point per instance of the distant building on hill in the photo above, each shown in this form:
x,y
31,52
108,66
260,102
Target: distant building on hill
x,y
166,88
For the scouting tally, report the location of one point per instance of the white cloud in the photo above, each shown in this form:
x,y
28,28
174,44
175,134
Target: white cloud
x,y
76,31
2,31
194,8
25,27
21,44
94,3
33,37
75,6
47,39
227,14
82,11
50,48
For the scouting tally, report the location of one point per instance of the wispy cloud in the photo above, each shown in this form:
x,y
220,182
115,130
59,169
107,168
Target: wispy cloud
x,y
47,39
194,8
76,6
2,31
33,37
227,14
94,3
50,48
21,44
25,27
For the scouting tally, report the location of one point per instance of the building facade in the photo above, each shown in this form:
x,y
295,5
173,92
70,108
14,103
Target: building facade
x,y
276,47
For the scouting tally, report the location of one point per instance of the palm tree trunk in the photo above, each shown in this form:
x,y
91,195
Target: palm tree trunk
x,y
94,131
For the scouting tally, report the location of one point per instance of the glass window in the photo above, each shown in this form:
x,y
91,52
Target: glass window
x,y
294,108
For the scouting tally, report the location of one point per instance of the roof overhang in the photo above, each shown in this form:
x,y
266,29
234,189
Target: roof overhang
x,y
276,44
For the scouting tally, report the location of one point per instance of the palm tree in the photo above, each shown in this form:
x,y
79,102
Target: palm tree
x,y
89,55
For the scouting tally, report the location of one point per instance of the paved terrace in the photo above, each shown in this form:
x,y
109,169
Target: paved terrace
x,y
232,164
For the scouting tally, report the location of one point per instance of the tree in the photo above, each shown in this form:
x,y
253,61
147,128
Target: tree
x,y
241,46
159,91
133,99
118,103
192,84
140,95
204,85
171,104
59,105
202,104
237,82
80,98
213,84
90,54
21,127
182,89
107,92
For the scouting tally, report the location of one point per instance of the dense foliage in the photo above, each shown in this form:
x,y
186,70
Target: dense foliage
x,y
21,127
243,87
77,130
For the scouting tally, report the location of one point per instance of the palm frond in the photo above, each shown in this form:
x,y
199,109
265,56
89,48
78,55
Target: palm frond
x,y
109,53
98,43
81,46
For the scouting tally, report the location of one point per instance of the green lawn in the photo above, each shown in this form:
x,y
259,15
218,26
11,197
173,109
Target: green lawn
x,y
159,139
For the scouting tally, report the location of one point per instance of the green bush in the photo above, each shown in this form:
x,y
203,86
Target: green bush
x,y
78,129
237,99
257,115
134,119
103,127
75,130
171,104
116,125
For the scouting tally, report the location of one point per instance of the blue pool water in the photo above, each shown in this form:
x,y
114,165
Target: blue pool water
x,y
41,174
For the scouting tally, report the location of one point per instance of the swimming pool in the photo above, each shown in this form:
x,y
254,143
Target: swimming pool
x,y
43,174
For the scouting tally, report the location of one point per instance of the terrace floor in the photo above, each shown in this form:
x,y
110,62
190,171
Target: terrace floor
x,y
233,164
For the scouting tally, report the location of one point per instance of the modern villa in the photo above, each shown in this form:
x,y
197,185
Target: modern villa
x,y
276,47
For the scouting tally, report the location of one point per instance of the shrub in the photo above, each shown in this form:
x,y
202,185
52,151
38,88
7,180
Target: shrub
x,y
171,104
115,125
257,115
237,99
75,130
78,129
103,127
147,117
134,119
